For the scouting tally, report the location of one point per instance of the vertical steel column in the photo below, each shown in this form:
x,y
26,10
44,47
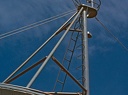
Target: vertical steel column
x,y
85,63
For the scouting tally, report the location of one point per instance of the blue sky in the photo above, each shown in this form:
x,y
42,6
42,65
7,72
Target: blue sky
x,y
107,58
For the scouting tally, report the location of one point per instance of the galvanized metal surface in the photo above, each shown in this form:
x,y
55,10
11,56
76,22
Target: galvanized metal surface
x,y
85,63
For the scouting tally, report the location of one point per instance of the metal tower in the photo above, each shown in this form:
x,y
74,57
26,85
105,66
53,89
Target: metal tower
x,y
79,18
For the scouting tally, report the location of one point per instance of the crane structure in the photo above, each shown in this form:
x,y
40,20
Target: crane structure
x,y
77,23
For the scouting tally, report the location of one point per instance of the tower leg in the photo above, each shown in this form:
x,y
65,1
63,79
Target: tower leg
x,y
85,65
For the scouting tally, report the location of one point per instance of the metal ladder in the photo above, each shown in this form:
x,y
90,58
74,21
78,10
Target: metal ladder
x,y
61,78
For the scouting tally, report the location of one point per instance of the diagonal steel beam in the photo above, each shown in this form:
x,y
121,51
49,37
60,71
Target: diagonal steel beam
x,y
54,49
26,70
68,73
32,55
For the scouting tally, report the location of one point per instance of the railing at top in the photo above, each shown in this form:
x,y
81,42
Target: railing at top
x,y
94,3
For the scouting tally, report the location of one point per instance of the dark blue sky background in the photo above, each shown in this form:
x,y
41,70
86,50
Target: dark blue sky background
x,y
107,58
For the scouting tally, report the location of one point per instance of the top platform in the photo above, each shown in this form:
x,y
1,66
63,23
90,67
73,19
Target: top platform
x,y
92,12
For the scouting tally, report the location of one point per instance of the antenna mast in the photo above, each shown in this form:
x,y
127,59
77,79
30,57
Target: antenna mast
x,y
83,12
85,63
88,12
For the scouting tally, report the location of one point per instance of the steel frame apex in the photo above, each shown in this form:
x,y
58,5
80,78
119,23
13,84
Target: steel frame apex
x,y
91,11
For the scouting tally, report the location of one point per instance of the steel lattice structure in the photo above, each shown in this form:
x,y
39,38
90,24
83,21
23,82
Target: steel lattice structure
x,y
79,21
